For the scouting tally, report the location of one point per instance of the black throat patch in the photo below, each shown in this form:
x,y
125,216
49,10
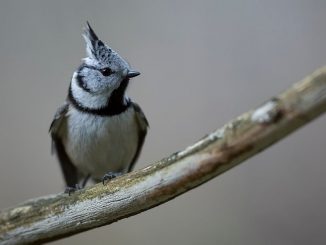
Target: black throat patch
x,y
116,103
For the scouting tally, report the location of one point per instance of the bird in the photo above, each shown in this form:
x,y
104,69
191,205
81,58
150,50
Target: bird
x,y
99,131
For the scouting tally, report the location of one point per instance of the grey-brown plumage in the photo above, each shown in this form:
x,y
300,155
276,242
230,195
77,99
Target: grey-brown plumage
x,y
98,130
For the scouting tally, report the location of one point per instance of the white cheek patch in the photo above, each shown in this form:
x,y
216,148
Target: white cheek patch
x,y
86,99
95,81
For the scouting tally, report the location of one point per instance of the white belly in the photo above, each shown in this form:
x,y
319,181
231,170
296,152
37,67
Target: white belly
x,y
97,145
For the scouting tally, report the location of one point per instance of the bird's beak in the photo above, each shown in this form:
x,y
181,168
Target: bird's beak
x,y
131,74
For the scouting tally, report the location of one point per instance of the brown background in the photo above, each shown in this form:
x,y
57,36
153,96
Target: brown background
x,y
202,63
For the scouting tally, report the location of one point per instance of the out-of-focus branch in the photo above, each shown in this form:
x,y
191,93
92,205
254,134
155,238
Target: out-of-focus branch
x,y
52,217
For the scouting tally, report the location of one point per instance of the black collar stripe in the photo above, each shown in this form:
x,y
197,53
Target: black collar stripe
x,y
116,103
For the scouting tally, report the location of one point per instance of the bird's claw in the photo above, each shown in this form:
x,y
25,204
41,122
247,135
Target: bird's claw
x,y
70,189
109,176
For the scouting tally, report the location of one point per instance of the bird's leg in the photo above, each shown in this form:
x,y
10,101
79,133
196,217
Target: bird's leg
x,y
85,181
110,175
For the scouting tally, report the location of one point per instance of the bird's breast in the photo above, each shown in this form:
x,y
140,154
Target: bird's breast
x,y
97,144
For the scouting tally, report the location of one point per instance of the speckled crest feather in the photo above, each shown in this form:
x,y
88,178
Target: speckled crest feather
x,y
96,49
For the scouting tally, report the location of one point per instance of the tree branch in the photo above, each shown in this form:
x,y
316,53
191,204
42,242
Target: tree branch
x,y
52,217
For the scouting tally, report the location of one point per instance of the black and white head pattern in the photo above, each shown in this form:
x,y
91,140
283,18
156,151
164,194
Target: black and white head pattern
x,y
100,75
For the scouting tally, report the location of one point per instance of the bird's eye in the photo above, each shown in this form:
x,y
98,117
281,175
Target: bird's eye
x,y
106,71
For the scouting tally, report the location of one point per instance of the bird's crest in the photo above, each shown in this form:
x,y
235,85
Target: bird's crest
x,y
95,48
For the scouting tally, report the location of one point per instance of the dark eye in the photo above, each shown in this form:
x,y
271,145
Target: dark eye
x,y
106,71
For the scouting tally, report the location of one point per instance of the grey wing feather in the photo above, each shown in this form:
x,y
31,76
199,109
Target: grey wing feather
x,y
69,171
56,123
143,125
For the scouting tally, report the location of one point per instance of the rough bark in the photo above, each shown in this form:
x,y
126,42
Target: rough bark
x,y
52,217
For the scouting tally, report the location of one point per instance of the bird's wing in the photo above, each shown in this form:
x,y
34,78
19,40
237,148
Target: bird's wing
x,y
142,128
69,171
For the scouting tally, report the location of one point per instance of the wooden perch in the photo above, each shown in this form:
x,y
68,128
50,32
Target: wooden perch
x,y
52,217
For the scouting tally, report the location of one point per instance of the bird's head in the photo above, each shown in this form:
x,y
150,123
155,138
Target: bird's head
x,y
102,71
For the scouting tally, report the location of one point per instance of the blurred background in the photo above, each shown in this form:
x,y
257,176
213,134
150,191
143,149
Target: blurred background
x,y
202,64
